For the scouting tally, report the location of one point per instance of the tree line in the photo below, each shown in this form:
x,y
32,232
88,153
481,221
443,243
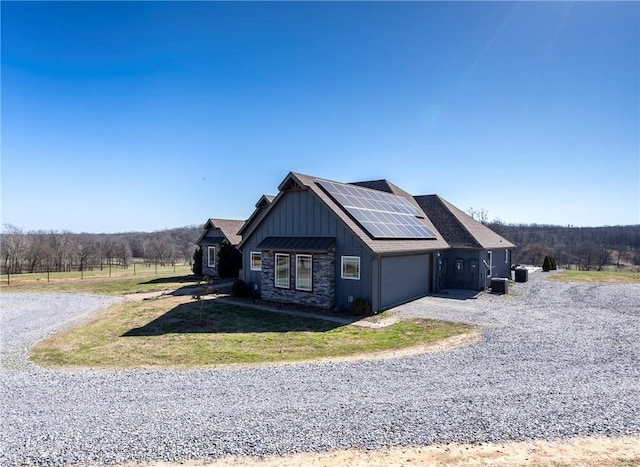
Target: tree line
x,y
55,251
585,248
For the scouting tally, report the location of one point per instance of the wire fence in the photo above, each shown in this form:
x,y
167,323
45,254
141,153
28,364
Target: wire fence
x,y
136,268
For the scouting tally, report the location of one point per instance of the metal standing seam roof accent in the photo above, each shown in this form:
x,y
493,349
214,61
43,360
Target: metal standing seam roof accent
x,y
306,244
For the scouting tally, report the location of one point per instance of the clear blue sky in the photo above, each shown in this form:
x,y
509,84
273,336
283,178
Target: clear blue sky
x,y
121,116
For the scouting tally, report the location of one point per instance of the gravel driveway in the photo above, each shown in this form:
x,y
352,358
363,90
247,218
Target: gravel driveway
x,y
556,360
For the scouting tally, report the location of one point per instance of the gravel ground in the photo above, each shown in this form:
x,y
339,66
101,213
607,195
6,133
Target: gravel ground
x,y
556,360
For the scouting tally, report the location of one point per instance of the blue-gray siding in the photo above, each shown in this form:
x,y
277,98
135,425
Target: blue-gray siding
x,y
301,213
212,238
466,269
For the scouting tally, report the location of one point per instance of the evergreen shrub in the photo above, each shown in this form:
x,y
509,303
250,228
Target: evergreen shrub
x,y
197,262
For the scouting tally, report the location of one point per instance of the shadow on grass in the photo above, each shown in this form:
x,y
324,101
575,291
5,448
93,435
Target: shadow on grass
x,y
214,317
173,280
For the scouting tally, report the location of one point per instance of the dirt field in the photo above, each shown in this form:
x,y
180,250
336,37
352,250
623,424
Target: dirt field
x,y
587,452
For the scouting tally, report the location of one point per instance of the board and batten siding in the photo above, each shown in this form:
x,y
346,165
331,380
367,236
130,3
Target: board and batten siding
x,y
213,237
465,268
301,213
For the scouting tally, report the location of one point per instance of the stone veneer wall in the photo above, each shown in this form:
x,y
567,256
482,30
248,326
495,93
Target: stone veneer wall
x,y
324,281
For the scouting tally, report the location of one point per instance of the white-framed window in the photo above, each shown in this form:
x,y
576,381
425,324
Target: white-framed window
x,y
506,256
256,261
281,278
304,272
211,256
490,264
350,267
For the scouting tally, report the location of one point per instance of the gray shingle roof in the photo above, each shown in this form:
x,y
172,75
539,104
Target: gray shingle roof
x,y
229,228
458,228
386,246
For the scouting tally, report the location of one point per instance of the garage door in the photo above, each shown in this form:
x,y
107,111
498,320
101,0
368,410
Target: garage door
x,y
404,278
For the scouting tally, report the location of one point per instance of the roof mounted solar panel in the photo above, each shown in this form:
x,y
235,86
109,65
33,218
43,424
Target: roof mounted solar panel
x,y
382,215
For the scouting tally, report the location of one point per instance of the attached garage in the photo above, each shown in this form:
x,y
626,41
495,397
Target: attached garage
x,y
404,278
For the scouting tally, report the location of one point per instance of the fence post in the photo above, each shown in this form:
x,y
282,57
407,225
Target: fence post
x,y
8,274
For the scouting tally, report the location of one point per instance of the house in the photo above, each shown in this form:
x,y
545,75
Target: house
x,y
476,252
213,233
325,243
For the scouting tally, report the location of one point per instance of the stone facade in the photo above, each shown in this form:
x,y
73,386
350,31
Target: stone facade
x,y
322,294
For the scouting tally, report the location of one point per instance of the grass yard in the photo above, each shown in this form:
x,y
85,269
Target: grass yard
x,y
177,331
596,276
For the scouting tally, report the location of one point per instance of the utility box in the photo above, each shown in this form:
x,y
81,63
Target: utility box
x,y
522,274
499,285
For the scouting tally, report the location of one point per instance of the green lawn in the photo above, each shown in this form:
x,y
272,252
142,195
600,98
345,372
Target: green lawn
x,y
596,276
177,331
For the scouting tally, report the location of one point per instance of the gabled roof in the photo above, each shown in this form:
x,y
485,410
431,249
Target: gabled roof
x,y
229,228
261,206
297,181
458,228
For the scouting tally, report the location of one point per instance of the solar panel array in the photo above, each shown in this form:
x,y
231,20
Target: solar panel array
x,y
382,215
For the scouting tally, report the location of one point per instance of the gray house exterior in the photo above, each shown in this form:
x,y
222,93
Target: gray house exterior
x,y
213,233
476,255
307,249
304,246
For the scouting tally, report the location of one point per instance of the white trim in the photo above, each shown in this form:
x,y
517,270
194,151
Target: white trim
x,y
308,288
506,256
254,253
275,271
342,267
209,262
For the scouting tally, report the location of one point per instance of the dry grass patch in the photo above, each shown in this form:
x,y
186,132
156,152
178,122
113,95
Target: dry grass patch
x,y
101,285
596,276
176,331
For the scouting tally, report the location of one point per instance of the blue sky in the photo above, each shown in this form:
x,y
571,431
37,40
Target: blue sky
x,y
122,116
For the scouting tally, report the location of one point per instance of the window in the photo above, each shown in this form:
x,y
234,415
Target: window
x,y
351,267
282,271
256,261
304,275
490,264
211,256
506,256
